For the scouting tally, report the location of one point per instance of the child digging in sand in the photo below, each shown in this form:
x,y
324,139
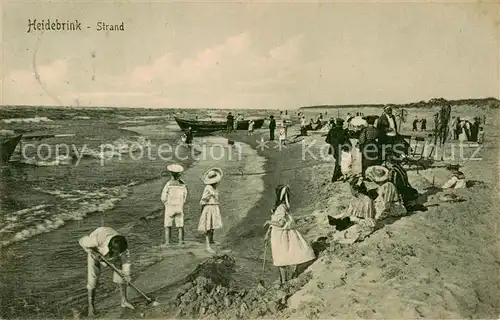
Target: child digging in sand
x,y
106,242
210,218
174,196
288,246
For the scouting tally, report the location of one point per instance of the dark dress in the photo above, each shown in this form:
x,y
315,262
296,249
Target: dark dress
x,y
400,179
423,125
369,148
336,137
474,130
272,127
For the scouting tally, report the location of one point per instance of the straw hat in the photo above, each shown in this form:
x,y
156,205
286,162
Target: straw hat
x,y
212,176
377,173
175,168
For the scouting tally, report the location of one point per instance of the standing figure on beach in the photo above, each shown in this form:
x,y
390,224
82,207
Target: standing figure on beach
x,y
189,137
387,127
288,246
423,124
480,135
336,138
282,134
251,124
230,122
272,127
174,196
210,218
415,123
106,242
388,202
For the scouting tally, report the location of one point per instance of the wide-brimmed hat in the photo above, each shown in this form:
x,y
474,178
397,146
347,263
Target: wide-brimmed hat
x,y
377,173
387,107
177,168
212,176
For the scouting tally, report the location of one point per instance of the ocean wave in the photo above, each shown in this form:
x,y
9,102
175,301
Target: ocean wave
x,y
71,206
27,120
118,147
58,161
131,121
81,118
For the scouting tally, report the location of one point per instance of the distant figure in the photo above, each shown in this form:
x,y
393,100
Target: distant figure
x,y
474,129
457,180
251,124
189,136
210,219
455,127
423,124
108,243
303,126
238,119
415,123
288,246
282,134
272,127
230,122
480,136
174,196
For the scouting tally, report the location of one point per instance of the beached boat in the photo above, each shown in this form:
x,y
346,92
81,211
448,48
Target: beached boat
x,y
7,147
211,126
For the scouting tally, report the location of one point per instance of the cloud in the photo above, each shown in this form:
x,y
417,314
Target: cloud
x,y
233,69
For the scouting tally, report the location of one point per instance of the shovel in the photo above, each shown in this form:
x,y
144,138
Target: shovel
x,y
150,301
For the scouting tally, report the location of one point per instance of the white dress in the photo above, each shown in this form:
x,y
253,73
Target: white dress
x,y
288,246
210,218
346,161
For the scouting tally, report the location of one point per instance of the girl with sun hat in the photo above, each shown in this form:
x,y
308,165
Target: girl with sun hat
x,y
210,218
288,246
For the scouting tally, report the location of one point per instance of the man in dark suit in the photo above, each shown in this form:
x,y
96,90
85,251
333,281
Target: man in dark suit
x,y
272,127
387,129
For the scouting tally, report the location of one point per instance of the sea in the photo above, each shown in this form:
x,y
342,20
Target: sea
x,y
101,167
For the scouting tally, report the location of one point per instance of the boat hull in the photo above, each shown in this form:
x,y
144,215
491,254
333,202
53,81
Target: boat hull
x,y
7,147
212,126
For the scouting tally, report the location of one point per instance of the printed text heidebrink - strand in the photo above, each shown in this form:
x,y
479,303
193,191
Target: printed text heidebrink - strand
x,y
48,25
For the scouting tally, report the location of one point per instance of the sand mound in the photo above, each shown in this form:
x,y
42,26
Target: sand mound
x,y
208,294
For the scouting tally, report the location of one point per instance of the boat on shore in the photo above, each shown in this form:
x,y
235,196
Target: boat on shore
x,y
212,126
8,146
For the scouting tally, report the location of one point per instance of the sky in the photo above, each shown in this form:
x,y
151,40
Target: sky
x,y
278,55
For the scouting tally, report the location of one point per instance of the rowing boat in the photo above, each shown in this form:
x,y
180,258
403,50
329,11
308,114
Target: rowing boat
x,y
211,126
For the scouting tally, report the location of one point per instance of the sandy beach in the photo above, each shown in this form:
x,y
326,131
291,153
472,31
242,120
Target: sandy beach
x,y
435,264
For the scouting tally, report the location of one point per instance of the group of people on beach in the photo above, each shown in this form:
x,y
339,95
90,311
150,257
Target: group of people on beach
x,y
382,155
465,130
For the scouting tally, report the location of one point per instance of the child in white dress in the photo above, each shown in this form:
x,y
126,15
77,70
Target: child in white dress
x,y
210,218
250,127
457,181
288,246
282,134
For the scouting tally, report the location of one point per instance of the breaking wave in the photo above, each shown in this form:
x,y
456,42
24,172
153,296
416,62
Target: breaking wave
x,y
73,205
28,120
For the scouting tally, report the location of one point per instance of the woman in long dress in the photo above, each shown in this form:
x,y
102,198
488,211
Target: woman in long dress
x,y
388,202
288,246
361,212
210,218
